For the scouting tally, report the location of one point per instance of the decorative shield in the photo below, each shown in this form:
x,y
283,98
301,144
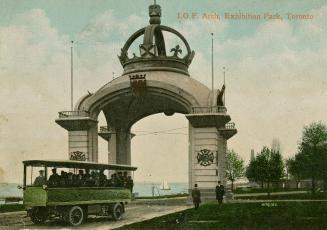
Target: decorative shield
x,y
77,156
205,157
138,84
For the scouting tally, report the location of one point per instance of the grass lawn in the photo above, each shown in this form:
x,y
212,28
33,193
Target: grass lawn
x,y
259,190
299,196
275,215
11,208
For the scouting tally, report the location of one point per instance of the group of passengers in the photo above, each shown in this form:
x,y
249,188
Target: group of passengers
x,y
87,179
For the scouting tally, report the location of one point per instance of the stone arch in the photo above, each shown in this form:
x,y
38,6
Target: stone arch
x,y
174,86
169,88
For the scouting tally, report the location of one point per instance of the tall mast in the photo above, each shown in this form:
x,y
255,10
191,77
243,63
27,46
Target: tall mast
x,y
212,82
71,77
224,69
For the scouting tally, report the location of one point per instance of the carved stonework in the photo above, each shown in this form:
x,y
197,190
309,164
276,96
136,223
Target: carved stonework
x,y
148,50
138,84
77,156
176,51
205,157
123,56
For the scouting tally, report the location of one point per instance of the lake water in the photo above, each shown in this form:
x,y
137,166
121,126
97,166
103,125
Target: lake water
x,y
140,188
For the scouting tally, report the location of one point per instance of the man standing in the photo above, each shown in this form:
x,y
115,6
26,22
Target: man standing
x,y
220,192
196,196
40,180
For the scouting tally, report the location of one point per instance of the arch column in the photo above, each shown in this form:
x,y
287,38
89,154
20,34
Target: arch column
x,y
207,151
119,144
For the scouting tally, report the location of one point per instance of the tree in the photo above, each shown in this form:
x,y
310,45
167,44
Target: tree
x,y
312,153
267,167
294,168
234,167
253,172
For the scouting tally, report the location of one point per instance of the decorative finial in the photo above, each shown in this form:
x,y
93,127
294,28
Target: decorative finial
x,y
155,13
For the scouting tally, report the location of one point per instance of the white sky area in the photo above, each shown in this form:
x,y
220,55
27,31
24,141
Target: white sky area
x,y
276,84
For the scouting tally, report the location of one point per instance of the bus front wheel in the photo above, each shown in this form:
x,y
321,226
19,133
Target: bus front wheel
x,y
75,216
117,211
39,215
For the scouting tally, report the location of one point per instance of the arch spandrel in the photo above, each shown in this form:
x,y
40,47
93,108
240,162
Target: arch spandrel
x,y
181,88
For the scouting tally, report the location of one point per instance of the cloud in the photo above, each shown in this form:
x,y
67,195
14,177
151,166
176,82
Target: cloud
x,y
275,79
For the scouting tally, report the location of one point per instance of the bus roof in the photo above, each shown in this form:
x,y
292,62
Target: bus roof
x,y
77,164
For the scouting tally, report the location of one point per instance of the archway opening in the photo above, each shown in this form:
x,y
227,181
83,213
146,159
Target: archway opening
x,y
160,151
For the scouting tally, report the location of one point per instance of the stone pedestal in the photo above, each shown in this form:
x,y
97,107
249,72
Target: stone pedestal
x,y
82,135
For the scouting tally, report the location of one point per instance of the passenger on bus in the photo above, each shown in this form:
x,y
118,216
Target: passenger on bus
x,y
88,181
40,180
130,183
112,182
75,180
120,180
63,179
54,179
102,178
96,178
125,179
70,180
80,178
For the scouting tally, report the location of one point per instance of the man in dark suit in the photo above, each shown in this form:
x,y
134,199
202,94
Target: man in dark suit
x,y
220,192
196,196
54,179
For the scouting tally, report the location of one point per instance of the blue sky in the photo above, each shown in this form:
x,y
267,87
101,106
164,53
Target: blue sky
x,y
276,72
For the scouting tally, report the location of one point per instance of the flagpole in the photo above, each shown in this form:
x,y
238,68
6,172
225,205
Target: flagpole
x,y
71,77
212,83
225,86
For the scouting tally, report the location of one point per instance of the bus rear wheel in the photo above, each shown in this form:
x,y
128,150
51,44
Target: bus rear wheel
x,y
75,215
117,211
39,215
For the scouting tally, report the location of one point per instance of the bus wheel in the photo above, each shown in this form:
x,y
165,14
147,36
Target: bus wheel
x,y
39,215
75,215
117,211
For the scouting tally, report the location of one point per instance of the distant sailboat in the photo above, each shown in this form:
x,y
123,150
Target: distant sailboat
x,y
164,186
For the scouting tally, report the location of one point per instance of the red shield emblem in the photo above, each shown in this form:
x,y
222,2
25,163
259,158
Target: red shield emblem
x,y
138,84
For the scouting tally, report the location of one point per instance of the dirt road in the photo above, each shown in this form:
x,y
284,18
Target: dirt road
x,y
135,212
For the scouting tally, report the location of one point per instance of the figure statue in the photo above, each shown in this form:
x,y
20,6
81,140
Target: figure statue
x,y
220,101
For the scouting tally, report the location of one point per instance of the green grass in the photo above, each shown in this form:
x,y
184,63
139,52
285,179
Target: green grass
x,y
11,208
165,196
259,190
299,196
277,215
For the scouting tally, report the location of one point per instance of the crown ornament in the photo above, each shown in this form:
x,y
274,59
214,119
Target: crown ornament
x,y
153,55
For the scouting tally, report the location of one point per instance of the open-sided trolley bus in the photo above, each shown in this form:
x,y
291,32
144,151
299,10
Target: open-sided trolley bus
x,y
72,190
